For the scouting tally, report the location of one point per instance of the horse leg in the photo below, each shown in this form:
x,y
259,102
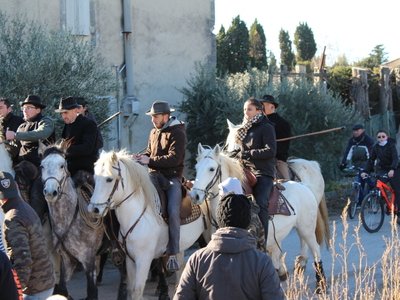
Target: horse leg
x,y
91,287
122,290
162,286
61,287
137,275
278,262
301,260
103,260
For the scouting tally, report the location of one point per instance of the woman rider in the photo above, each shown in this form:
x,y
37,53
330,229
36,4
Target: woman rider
x,y
257,141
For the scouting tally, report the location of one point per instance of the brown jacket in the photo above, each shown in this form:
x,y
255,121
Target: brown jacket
x,y
166,149
26,247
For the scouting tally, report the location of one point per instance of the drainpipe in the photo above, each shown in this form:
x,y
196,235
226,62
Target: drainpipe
x,y
131,103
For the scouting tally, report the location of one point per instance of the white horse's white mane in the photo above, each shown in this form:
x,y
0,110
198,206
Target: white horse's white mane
x,y
138,175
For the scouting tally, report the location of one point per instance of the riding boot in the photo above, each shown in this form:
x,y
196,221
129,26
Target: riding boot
x,y
320,278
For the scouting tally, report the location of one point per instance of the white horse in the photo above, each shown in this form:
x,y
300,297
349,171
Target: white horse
x,y
213,167
124,185
307,171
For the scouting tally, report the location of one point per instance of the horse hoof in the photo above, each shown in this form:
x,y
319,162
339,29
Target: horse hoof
x,y
284,276
164,297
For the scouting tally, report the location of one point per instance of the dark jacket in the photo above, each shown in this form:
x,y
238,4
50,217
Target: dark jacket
x,y
166,149
27,247
30,132
364,141
8,288
386,157
259,148
12,122
229,267
82,154
282,130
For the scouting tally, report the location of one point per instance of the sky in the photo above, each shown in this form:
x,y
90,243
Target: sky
x,y
349,27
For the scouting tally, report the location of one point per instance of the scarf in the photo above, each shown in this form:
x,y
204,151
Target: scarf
x,y
246,125
383,143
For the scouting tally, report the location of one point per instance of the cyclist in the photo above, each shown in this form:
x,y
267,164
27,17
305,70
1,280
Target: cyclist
x,y
357,153
384,153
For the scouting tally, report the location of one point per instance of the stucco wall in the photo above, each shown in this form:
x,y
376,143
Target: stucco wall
x,y
168,38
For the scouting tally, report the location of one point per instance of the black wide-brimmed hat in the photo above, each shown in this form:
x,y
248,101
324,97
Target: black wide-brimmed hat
x,y
159,107
270,99
33,100
8,188
66,104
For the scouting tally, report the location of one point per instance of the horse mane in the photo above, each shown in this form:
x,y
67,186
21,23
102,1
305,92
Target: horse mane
x,y
234,167
136,171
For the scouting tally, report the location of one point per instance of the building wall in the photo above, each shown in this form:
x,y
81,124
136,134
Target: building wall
x,y
168,39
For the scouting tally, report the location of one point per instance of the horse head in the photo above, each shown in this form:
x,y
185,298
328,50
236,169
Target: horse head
x,y
208,173
54,170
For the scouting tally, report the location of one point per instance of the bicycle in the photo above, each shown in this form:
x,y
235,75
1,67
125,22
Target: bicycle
x,y
373,206
357,190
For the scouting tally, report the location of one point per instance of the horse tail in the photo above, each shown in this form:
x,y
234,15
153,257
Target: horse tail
x,y
322,231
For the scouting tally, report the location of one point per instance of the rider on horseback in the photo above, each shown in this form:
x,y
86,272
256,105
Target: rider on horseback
x,y
165,154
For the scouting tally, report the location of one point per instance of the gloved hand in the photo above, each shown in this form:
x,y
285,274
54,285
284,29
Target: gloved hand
x,y
245,155
342,166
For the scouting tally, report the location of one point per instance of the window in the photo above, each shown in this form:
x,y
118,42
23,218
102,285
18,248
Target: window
x,y
78,16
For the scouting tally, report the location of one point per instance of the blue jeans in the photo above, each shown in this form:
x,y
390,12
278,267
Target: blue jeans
x,y
261,192
174,198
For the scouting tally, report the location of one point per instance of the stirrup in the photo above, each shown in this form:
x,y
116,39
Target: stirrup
x,y
172,264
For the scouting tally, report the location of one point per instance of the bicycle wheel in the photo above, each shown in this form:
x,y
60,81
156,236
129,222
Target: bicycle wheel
x,y
352,209
372,213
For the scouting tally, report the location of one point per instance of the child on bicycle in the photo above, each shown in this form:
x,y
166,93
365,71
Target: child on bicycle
x,y
384,157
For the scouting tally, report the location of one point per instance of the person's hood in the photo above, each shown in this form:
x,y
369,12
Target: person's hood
x,y
173,121
231,240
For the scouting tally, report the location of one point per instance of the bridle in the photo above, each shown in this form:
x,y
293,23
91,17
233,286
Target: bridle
x,y
217,178
109,205
109,202
60,182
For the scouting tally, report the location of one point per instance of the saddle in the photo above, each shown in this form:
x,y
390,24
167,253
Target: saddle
x,y
188,211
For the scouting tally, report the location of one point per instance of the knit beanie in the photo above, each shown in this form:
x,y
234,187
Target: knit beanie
x,y
234,211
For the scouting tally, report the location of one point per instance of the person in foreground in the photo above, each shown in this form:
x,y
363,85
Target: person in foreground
x,y
230,267
26,246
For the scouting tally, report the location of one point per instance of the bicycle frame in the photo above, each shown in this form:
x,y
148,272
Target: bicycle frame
x,y
387,193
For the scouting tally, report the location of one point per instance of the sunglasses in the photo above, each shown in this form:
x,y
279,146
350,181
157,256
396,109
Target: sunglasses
x,y
381,136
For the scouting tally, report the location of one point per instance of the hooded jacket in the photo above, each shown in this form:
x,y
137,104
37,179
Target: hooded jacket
x,y
166,149
229,267
27,247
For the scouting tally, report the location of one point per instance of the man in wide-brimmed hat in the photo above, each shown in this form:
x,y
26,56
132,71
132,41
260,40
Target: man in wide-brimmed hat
x,y
282,130
165,154
83,134
35,128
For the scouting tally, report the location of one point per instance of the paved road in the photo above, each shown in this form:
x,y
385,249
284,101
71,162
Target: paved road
x,y
373,247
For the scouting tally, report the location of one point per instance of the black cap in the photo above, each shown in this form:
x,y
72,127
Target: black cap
x,y
8,188
358,126
270,99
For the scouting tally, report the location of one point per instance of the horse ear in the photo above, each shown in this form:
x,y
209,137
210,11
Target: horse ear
x,y
230,124
217,149
41,148
114,156
200,149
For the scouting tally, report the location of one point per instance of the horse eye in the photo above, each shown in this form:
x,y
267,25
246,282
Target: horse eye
x,y
62,166
109,179
212,169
